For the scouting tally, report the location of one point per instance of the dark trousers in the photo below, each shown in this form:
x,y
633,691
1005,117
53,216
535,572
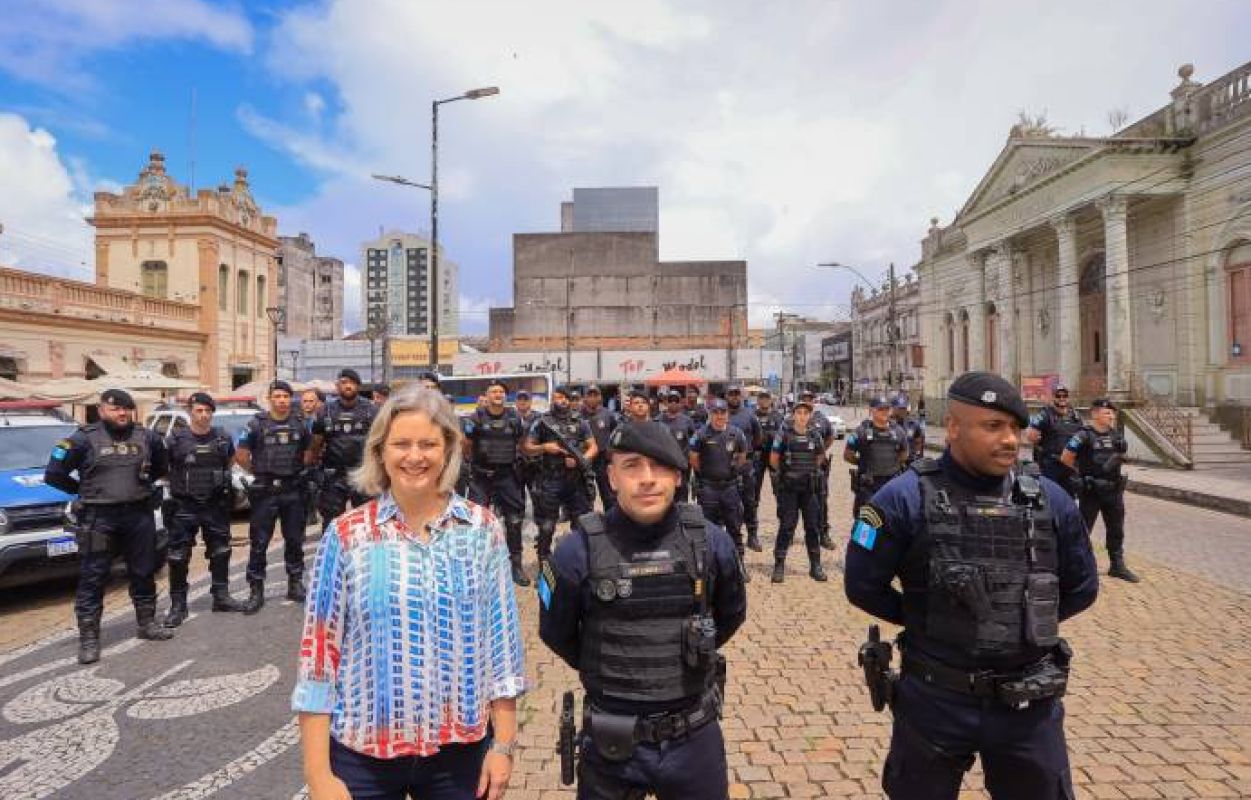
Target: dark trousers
x,y
750,488
268,508
450,774
937,733
105,532
1060,474
688,768
607,497
502,490
721,504
683,494
823,500
864,492
1112,506
557,489
334,494
793,502
212,521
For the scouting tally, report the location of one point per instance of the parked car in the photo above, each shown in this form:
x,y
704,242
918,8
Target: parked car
x,y
836,422
34,542
232,416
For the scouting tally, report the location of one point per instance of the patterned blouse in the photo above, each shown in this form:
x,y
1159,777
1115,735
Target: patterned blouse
x,y
406,643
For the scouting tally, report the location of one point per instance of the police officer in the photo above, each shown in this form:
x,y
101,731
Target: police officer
x,y
200,456
381,392
697,411
527,466
493,435
913,427
771,420
275,447
638,601
990,559
718,456
638,407
339,434
116,462
682,428
825,429
1096,452
745,420
795,457
602,422
312,401
878,448
1049,431
561,484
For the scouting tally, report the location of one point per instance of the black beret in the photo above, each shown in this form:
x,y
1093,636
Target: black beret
x,y
522,394
651,439
117,397
201,399
382,388
988,390
593,389
351,375
280,386
805,403
637,391
563,389
1103,402
673,394
499,383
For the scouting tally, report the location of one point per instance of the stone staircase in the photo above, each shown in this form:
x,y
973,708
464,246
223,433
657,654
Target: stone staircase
x,y
1212,447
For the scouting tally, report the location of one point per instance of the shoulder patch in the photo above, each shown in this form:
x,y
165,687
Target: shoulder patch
x,y
864,534
545,583
871,515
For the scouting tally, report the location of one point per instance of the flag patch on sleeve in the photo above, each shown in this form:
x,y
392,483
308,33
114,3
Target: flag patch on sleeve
x,y
864,534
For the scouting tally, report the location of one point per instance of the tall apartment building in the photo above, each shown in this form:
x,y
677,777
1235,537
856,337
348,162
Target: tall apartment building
x,y
310,288
395,286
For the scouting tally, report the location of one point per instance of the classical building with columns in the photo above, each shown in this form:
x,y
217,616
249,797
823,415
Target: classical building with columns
x,y
1121,265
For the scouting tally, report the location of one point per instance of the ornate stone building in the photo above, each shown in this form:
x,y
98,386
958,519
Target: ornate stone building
x,y
1120,264
884,361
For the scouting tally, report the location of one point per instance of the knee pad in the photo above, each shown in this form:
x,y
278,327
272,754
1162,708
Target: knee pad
x,y
179,554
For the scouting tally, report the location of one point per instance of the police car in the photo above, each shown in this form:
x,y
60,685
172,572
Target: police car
x,y
232,416
837,423
34,542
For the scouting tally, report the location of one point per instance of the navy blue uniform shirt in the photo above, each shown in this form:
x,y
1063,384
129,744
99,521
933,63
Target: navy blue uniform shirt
x,y
565,594
745,420
74,454
875,556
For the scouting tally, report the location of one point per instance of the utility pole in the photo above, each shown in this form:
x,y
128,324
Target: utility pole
x,y
569,322
894,332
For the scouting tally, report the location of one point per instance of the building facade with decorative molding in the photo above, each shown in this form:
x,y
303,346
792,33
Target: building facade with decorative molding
x,y
1121,265
310,290
887,359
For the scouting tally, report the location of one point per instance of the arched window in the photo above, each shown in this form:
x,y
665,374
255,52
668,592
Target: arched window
x,y
223,288
964,341
992,349
155,276
1238,267
241,293
260,296
949,326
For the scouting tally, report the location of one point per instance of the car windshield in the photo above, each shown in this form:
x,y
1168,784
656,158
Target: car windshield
x,y
233,424
28,447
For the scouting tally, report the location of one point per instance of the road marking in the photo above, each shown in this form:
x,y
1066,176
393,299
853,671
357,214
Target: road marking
x,y
117,649
278,743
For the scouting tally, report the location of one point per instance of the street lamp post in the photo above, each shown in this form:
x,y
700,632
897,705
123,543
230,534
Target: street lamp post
x,y
277,315
295,364
892,329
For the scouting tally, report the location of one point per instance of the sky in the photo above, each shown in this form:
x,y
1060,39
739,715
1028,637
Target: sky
x,y
818,131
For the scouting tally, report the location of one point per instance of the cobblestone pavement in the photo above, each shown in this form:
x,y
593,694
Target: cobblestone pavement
x,y
1160,704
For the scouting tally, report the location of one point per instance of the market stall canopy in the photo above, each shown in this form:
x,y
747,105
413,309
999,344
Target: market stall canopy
x,y
675,377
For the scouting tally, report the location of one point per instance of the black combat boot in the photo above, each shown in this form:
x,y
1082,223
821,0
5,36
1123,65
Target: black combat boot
x,y
519,572
826,541
177,613
219,568
222,601
256,598
295,588
815,570
753,539
89,639
148,627
779,570
1119,569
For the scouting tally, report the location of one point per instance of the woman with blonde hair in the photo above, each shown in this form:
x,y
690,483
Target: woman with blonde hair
x,y
411,659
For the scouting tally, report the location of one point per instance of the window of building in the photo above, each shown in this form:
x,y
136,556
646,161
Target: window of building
x,y
241,292
992,348
155,275
261,297
964,341
949,326
223,287
1238,265
8,368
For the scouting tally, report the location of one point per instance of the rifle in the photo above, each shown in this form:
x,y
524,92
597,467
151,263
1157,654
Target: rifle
x,y
584,466
568,740
874,657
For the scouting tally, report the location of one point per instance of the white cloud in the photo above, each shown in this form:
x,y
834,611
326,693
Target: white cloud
x,y
43,204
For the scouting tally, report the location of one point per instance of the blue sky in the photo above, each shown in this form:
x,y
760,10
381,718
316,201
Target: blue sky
x,y
822,131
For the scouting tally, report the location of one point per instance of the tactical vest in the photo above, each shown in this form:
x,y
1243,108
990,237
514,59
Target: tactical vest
x,y
116,471
280,454
680,426
879,450
199,470
602,422
645,596
716,454
800,456
981,576
567,426
345,430
770,423
1101,459
495,438
1057,434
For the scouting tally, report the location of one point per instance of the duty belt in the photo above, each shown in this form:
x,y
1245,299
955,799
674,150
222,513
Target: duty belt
x,y
277,484
715,484
656,728
985,684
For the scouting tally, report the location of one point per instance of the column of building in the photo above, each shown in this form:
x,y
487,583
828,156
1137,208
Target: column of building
x,y
977,312
1120,324
1068,300
999,281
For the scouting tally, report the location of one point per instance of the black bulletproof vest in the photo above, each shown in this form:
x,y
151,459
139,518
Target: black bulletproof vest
x,y
770,423
879,450
198,468
280,455
602,423
495,438
1101,460
680,426
980,576
644,596
800,454
567,426
345,431
1057,432
716,453
114,471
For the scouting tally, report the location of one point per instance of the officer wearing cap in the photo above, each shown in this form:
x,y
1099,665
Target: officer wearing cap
x,y
697,411
381,391
638,601
493,435
200,456
561,482
796,455
913,427
527,466
878,448
825,428
638,406
112,466
275,448
682,427
771,421
718,456
1049,431
602,422
990,558
1096,452
339,433
745,420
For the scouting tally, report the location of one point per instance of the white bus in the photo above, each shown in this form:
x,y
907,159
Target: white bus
x,y
465,389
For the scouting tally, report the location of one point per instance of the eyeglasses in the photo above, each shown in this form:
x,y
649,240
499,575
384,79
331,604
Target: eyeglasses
x,y
1062,394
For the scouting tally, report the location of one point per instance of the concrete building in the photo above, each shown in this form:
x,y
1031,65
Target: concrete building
x,y
395,286
310,288
620,209
214,252
884,361
1121,264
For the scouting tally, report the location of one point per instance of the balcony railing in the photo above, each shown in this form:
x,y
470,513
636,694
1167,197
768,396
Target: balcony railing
x,y
42,294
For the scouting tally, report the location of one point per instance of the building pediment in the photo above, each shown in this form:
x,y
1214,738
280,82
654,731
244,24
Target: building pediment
x,y
1021,163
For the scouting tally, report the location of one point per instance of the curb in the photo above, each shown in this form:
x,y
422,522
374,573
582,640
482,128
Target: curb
x,y
1214,502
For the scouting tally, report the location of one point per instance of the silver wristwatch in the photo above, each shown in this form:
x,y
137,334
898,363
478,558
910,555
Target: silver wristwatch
x,y
503,748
